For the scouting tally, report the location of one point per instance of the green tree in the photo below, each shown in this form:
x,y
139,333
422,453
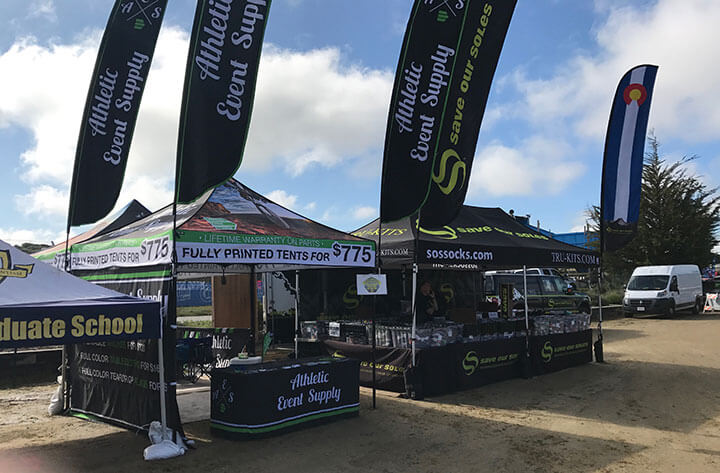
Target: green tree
x,y
31,248
679,219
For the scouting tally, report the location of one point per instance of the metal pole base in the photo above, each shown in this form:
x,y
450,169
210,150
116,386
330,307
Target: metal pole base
x,y
599,358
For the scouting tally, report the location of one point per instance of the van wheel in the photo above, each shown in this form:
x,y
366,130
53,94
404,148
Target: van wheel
x,y
671,310
697,307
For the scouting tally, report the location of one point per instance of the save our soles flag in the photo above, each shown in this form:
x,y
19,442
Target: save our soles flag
x,y
477,58
449,54
220,81
623,160
111,108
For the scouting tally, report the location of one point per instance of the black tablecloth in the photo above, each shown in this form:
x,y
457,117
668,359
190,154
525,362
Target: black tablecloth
x,y
275,397
466,365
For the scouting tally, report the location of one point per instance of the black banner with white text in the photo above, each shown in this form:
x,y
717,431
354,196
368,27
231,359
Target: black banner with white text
x,y
447,63
217,102
111,109
119,382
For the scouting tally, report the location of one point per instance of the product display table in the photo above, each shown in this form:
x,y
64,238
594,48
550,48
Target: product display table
x,y
270,398
458,366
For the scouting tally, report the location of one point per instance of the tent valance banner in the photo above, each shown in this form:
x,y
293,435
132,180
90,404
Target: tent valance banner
x,y
217,101
450,51
623,160
41,305
55,255
111,109
230,225
479,237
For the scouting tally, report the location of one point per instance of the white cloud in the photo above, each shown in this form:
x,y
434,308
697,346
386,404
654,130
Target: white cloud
x,y
310,109
364,213
580,222
538,167
43,9
281,197
17,236
43,200
681,40
45,95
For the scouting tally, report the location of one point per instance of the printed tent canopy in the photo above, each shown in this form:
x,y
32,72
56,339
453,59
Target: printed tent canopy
x,y
229,229
479,237
41,305
128,214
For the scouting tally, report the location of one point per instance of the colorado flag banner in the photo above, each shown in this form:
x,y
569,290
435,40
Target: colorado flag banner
x,y
623,161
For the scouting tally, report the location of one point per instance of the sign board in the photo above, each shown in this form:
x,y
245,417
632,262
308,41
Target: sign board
x,y
506,299
372,284
712,303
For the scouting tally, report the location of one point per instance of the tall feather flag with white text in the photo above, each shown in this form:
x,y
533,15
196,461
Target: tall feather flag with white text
x,y
449,56
111,109
623,160
220,80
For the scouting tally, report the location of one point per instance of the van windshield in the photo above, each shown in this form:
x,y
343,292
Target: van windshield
x,y
647,283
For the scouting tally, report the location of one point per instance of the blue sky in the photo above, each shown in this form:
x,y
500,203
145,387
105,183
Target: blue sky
x,y
324,85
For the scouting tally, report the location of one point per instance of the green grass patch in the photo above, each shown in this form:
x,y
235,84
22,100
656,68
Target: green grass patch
x,y
194,311
195,323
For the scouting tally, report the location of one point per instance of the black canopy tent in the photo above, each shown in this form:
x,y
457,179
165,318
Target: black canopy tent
x,y
132,212
479,237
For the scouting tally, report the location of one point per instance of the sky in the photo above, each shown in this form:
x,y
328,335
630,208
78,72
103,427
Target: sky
x,y
325,77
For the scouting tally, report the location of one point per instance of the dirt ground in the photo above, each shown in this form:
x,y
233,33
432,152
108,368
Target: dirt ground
x,y
654,406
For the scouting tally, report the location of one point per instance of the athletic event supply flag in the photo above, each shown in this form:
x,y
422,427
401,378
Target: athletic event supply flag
x,y
217,102
623,162
111,108
448,59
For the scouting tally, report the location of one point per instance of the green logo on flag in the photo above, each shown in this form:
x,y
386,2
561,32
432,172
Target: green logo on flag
x,y
139,24
442,16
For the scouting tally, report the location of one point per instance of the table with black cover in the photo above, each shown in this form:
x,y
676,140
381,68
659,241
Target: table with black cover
x,y
555,352
271,398
467,365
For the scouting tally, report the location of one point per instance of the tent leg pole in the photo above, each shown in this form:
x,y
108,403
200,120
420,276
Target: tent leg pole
x,y
374,335
414,310
163,410
63,378
599,357
527,371
253,309
297,317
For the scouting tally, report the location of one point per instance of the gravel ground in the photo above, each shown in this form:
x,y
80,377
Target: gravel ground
x,y
654,406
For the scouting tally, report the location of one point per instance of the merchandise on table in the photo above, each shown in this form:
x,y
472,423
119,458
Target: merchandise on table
x,y
432,334
314,329
497,328
554,324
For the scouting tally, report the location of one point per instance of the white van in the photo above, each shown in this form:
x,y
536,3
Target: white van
x,y
663,290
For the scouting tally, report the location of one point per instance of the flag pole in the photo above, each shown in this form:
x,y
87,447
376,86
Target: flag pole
x,y
374,331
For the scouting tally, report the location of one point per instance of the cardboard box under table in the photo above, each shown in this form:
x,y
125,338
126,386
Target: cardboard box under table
x,y
271,398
